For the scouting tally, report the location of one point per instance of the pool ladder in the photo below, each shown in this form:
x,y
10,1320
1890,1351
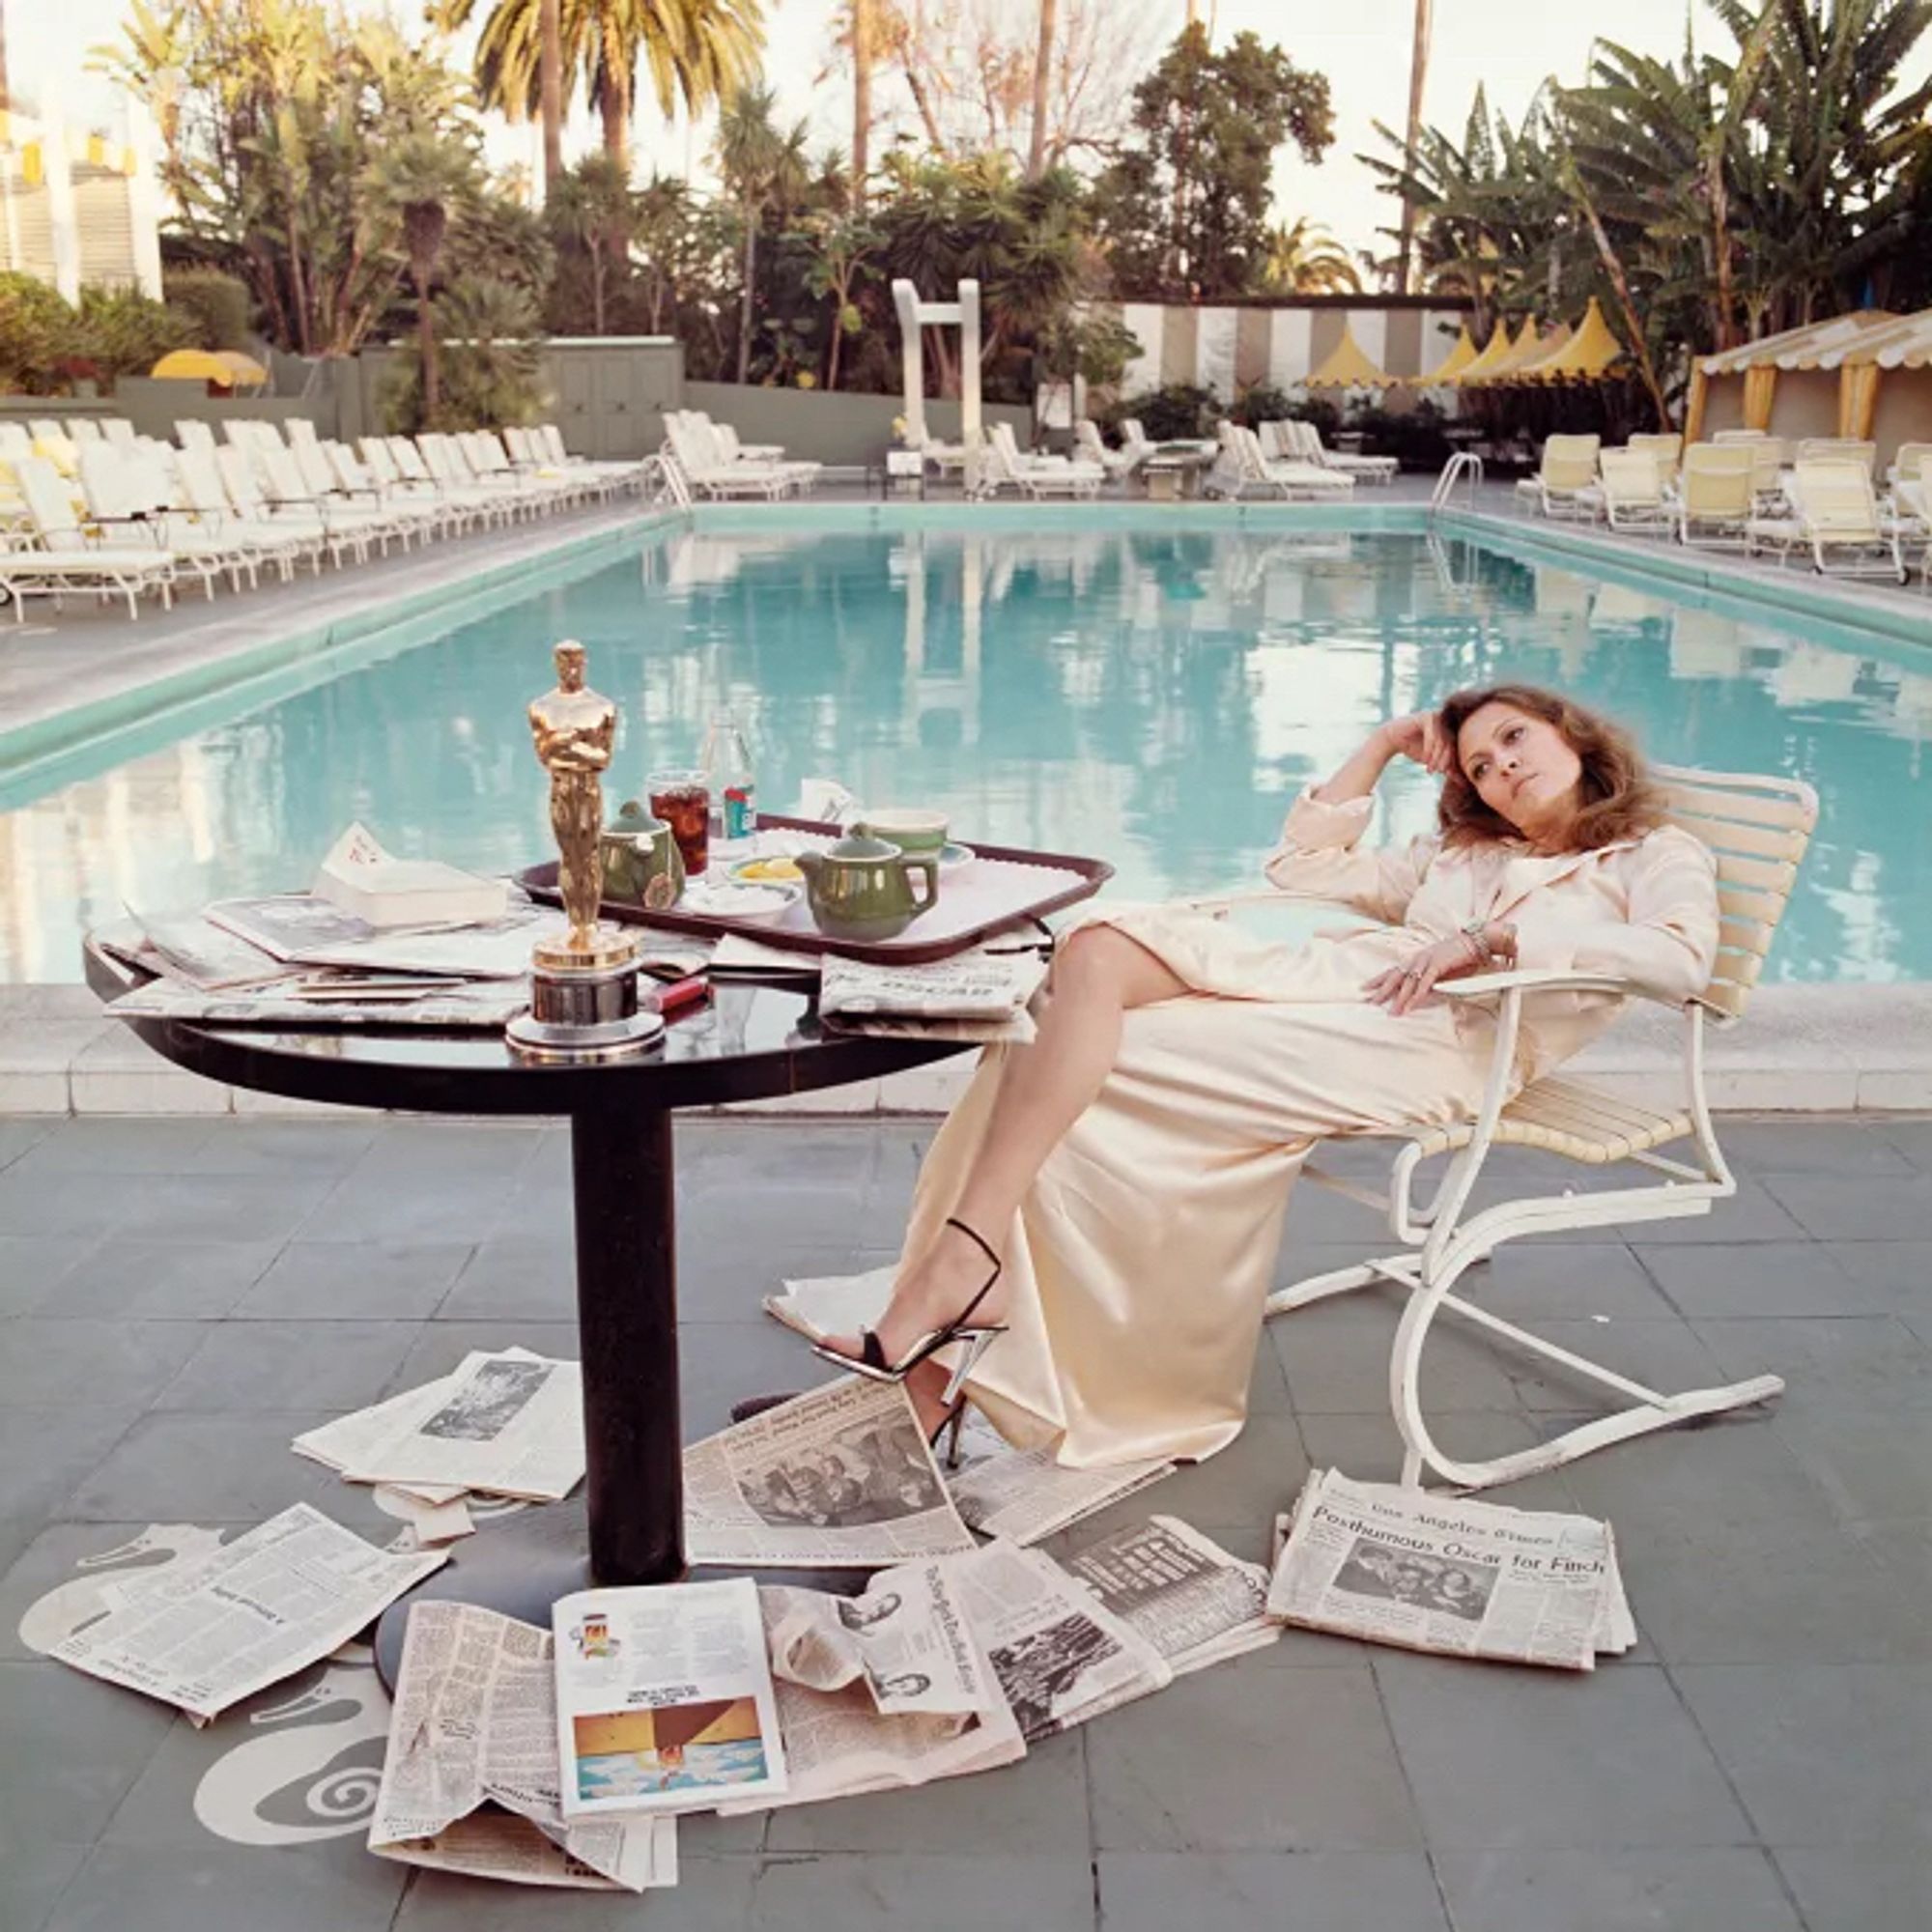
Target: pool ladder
x,y
1463,463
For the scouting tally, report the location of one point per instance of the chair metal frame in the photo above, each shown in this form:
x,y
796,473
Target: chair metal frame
x,y
1757,828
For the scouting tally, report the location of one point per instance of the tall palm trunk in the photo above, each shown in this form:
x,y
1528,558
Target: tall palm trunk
x,y
1042,70
862,98
426,330
745,303
550,88
1418,75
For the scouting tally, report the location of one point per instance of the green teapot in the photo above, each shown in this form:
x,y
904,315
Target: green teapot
x,y
642,866
863,887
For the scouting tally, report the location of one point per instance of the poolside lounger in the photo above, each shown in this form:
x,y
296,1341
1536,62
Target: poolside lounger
x,y
199,493
238,479
284,487
1716,497
622,472
380,461
134,498
717,444
1664,448
703,470
329,489
732,450
1837,518
1757,829
1565,484
83,429
1241,466
65,559
1039,478
420,514
474,500
1838,449
1904,470
448,464
1633,490
1302,443
118,430
1118,464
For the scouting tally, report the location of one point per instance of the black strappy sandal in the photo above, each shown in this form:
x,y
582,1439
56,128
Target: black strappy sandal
x,y
977,1337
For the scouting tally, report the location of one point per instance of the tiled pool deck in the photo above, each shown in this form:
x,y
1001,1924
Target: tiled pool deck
x,y
179,1296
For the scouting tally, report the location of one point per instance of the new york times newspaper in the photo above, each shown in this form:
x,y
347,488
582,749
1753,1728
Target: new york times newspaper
x,y
1445,1574
471,1781
1181,1590
838,1478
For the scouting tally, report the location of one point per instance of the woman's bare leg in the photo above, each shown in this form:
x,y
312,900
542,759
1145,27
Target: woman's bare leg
x,y
1044,1087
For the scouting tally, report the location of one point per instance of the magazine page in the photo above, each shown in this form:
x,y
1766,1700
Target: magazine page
x,y
839,1478
269,1603
1181,1590
474,1727
665,1698
511,1423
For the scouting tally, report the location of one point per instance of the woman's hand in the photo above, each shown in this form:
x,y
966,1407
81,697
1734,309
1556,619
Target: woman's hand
x,y
1422,737
1402,988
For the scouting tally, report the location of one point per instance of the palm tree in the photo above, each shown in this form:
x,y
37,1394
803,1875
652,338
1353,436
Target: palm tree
x,y
1304,259
550,88
593,206
1418,74
423,178
862,98
1042,70
761,164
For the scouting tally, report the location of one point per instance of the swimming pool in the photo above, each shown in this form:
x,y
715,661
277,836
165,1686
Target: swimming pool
x,y
1153,690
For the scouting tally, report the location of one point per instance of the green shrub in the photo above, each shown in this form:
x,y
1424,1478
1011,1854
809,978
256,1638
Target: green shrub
x,y
37,325
123,333
219,305
1259,402
488,331
1176,412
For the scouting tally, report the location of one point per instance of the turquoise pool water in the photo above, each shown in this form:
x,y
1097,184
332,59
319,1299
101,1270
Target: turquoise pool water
x,y
1156,696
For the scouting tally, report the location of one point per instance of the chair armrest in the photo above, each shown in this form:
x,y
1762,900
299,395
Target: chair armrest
x,y
1547,980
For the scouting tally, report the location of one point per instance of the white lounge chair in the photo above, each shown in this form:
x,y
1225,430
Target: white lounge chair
x,y
133,499
622,472
199,494
709,475
1716,495
1757,827
1633,490
1241,468
1565,484
64,555
244,490
1118,464
1037,478
1299,441
1664,447
1838,449
1835,516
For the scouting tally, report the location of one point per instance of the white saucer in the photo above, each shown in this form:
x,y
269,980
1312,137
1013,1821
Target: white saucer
x,y
732,898
952,855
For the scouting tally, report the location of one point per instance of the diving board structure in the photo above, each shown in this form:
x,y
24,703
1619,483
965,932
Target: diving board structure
x,y
915,317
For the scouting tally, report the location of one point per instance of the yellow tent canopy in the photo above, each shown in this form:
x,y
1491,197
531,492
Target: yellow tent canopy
x,y
1452,364
1528,347
244,372
1593,349
194,365
1345,367
1493,354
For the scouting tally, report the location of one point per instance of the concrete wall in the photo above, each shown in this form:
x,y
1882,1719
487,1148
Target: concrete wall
x,y
154,407
17,408
832,428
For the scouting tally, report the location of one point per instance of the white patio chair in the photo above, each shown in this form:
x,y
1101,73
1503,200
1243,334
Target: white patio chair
x,y
199,495
614,473
1633,490
1118,464
287,487
64,555
1717,495
1565,483
1241,466
1836,514
1757,828
133,499
1838,449
1038,478
707,473
244,490
1303,444
1665,448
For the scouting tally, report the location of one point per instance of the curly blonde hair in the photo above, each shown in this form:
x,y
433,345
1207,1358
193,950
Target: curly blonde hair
x,y
1618,798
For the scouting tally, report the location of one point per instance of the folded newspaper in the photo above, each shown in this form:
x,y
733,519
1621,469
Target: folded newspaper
x,y
976,995
483,1005
1025,1495
1445,1574
470,1782
256,1611
838,1478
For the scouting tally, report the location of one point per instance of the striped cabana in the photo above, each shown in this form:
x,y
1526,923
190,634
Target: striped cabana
x,y
1347,367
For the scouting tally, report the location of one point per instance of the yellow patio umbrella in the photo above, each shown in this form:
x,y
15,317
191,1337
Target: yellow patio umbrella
x,y
1493,354
245,372
1528,348
1592,350
1345,367
1452,364
194,365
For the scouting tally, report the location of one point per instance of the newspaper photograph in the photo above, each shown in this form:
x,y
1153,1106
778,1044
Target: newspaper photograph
x,y
839,1478
1447,1573
1181,1590
1025,1497
274,1600
664,1699
1060,1656
510,1423
926,1706
470,1780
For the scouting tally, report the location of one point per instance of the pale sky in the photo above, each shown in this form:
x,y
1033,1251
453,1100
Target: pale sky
x,y
1362,47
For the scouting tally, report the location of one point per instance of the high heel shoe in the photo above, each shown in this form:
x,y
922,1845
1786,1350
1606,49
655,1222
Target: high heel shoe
x,y
870,1360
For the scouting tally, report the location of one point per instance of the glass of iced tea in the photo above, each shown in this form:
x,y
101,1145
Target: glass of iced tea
x,y
683,801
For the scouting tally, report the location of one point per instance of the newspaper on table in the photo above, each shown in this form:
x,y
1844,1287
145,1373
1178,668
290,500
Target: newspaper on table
x,y
883,1690
194,948
1196,1603
839,1478
976,995
509,1423
1061,1655
735,957
1447,1573
664,1699
308,932
1025,1497
483,1005
470,1782
248,1615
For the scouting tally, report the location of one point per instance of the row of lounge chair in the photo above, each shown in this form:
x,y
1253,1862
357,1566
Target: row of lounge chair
x,y
1739,493
107,511
711,462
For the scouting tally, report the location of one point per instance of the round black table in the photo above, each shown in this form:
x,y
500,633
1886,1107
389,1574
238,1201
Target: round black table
x,y
748,1042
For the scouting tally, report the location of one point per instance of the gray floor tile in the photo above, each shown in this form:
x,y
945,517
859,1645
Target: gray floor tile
x,y
1862,1362
875,1893
1767,1278
73,1747
405,1208
1180,1772
114,1364
1872,1464
87,1145
1369,1448
1753,1213
220,1207
255,1146
46,1453
476,1150
258,1365
1870,1889
1766,1148
1511,1759
1857,1207
334,1887
519,1277
1715,1890
64,1203
1286,1891
159,1281
1734,1469
1897,1274
1663,1355
1913,1140
33,1267
1575,1282
20,1132
442,1345
358,1281
1242,1488
1036,1808
711,1895
33,1873
51,1562
1335,1357
1822,1753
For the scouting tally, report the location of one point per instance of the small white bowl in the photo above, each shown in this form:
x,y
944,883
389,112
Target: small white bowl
x,y
730,898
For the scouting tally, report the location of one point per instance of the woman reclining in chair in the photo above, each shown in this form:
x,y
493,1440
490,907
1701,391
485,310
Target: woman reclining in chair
x,y
1096,1225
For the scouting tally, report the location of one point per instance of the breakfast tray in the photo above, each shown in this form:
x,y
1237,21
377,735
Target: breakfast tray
x,y
1003,886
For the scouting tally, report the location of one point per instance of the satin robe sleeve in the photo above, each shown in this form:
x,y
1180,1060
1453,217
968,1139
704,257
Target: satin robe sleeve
x,y
1668,941
1318,858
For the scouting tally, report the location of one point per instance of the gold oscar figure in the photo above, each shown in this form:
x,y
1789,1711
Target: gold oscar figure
x,y
583,988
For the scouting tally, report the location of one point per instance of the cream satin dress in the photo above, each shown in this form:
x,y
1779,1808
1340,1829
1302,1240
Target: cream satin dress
x,y
1141,1258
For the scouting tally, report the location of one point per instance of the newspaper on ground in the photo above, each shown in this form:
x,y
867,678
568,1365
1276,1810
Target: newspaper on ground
x,y
432,1521
470,1780
832,1304
883,1690
1061,1655
1024,1495
1447,1573
664,1699
259,1609
1196,1603
839,1478
510,1423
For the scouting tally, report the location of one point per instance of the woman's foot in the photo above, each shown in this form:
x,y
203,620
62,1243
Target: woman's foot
x,y
936,1290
